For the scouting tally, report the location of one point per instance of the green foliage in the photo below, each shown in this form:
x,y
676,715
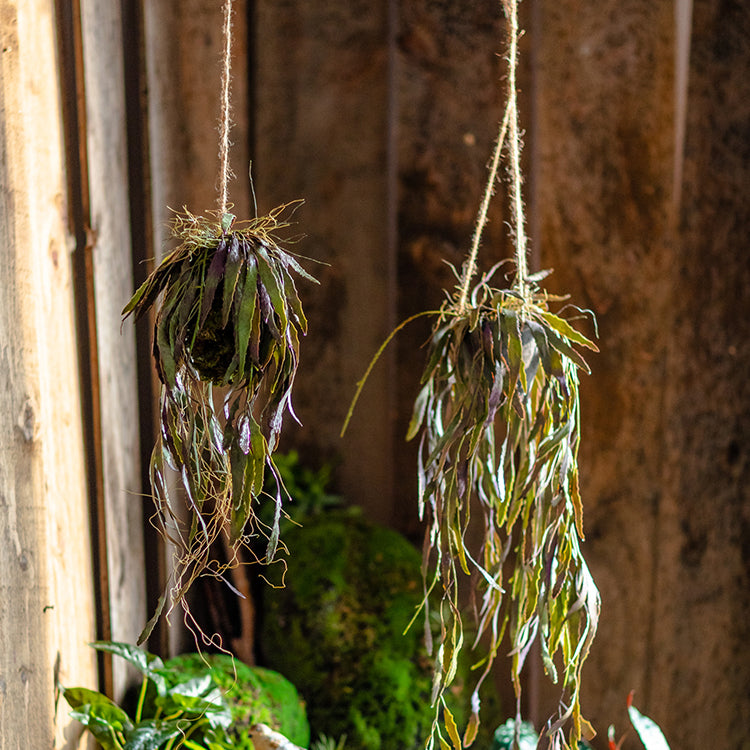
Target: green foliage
x,y
648,730
192,701
255,696
498,420
227,313
338,629
505,736
324,742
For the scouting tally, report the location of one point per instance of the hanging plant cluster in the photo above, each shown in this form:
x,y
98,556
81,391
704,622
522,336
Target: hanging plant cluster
x,y
227,314
498,420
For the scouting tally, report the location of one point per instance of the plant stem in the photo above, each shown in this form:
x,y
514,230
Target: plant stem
x,y
141,699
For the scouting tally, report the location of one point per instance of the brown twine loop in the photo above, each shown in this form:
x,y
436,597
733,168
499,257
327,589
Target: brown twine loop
x,y
509,123
224,170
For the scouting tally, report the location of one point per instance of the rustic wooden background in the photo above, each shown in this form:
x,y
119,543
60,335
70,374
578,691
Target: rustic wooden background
x,y
381,116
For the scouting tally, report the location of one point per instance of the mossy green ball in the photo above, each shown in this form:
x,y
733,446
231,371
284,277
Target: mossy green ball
x,y
337,631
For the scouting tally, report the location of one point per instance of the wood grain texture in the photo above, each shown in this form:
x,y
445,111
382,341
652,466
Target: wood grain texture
x,y
700,676
113,284
46,588
183,58
322,109
665,411
450,103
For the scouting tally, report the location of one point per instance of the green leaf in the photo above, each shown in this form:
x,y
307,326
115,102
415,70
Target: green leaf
x,y
471,730
143,661
96,704
104,719
269,277
151,624
214,275
247,311
151,734
452,729
289,260
227,220
295,304
166,364
235,260
648,730
196,687
140,293
565,329
511,333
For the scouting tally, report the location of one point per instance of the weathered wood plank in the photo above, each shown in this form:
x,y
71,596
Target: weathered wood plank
x,y
700,670
183,54
451,94
113,285
665,412
46,589
604,129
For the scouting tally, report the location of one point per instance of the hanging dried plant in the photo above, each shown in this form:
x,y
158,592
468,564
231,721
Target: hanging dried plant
x,y
227,314
498,420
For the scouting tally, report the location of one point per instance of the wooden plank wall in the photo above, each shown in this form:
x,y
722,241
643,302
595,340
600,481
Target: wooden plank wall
x,y
69,442
665,268
46,588
381,116
324,118
662,456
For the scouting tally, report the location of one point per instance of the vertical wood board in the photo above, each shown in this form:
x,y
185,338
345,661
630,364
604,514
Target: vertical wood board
x,y
113,285
46,589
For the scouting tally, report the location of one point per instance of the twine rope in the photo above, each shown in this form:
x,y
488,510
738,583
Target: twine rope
x,y
509,122
224,170
522,270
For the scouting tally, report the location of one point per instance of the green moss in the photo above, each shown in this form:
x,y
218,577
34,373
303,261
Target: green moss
x,y
254,694
337,631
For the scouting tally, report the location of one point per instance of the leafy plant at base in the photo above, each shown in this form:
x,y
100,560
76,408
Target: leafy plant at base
x,y
204,708
522,735
229,315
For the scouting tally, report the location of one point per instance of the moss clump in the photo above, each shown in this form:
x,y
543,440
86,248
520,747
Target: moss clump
x,y
254,694
337,630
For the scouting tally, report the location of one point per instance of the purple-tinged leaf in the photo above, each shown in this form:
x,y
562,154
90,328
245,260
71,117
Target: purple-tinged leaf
x,y
214,275
235,261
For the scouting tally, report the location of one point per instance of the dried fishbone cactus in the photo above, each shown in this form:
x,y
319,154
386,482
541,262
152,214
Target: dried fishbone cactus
x,y
227,313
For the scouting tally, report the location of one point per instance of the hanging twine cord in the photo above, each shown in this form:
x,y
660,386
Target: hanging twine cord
x,y
522,270
509,123
224,170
